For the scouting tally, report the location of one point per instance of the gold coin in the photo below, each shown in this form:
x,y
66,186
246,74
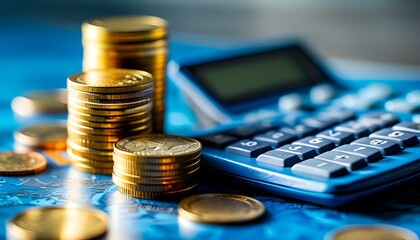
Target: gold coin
x,y
110,119
74,134
220,208
151,188
371,232
111,54
79,149
138,171
41,102
149,180
20,148
110,81
156,145
126,125
44,136
12,163
93,144
111,98
132,167
124,29
90,169
141,126
72,107
136,46
58,223
109,106
91,158
158,195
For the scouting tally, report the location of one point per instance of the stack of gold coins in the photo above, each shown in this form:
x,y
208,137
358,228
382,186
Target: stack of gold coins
x,y
156,166
130,42
105,106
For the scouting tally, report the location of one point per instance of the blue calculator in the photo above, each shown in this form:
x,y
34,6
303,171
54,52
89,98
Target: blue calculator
x,y
279,121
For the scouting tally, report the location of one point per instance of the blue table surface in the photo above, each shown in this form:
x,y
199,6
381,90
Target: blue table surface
x,y
41,56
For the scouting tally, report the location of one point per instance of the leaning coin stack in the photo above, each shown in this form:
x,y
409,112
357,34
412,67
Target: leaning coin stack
x,y
156,166
130,42
105,106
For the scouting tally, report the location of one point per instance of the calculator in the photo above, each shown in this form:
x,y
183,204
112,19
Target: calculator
x,y
283,123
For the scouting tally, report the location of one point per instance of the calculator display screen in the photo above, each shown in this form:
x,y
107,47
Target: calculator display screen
x,y
245,78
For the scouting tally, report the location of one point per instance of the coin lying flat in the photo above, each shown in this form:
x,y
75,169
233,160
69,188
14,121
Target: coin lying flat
x,y
371,232
41,102
220,208
43,136
12,163
58,223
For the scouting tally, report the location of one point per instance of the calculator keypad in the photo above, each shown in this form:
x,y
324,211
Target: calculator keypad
x,y
248,148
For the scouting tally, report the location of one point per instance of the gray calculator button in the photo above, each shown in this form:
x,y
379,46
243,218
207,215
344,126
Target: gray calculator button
x,y
279,158
275,138
408,127
321,93
319,123
218,140
404,139
290,102
338,115
319,168
369,154
248,148
371,125
413,97
299,130
401,106
318,143
351,162
386,147
384,119
338,137
376,92
302,151
356,128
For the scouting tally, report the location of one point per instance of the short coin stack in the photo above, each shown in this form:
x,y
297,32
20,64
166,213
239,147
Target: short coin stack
x,y
156,166
105,106
130,42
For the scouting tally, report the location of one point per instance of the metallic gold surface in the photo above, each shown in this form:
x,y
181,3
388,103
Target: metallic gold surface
x,y
12,163
158,195
373,232
43,136
58,223
41,102
220,208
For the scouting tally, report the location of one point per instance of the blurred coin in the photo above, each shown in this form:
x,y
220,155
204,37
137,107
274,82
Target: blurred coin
x,y
371,232
110,81
220,208
41,102
58,223
44,136
12,163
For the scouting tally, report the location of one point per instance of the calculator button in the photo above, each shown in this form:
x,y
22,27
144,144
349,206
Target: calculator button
x,y
376,91
386,147
339,138
248,148
371,125
279,158
275,138
404,139
290,102
351,162
243,131
384,119
356,128
321,93
408,127
413,97
218,140
339,115
319,168
400,106
302,151
318,143
369,154
299,130
318,123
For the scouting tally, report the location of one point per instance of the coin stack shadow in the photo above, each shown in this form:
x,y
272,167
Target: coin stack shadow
x,y
130,42
155,174
103,110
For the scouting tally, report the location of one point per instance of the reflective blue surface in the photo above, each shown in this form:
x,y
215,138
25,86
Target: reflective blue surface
x,y
47,58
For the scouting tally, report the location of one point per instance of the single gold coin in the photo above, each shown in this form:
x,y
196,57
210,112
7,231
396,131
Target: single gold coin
x,y
156,145
58,223
127,125
110,81
111,98
220,208
371,232
110,119
12,163
176,186
136,46
124,29
41,102
43,136
77,148
109,106
73,107
101,161
157,169
152,180
158,195
142,126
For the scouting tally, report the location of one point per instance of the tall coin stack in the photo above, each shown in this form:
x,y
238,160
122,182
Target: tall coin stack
x,y
105,106
156,166
130,42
